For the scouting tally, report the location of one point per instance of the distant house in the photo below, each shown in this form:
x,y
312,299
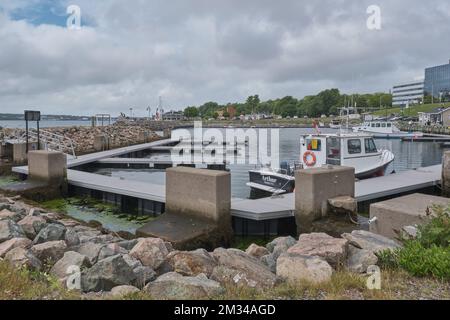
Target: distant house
x,y
440,116
173,116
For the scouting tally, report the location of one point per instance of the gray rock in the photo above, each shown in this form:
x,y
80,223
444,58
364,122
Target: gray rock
x,y
52,232
49,251
359,260
344,205
333,250
32,225
132,262
71,238
269,262
237,268
144,275
11,215
150,251
409,232
8,245
107,274
70,259
110,250
128,244
9,229
121,291
192,263
174,286
370,241
90,250
256,251
295,268
280,246
20,257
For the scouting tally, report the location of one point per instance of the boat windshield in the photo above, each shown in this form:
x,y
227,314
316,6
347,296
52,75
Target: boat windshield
x,y
334,151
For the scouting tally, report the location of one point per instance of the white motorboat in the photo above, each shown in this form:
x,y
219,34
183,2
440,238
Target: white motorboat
x,y
357,150
385,130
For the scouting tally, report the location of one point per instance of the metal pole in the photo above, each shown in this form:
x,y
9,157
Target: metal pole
x,y
26,135
38,136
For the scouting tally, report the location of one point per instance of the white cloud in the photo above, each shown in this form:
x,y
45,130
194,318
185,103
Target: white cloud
x,y
195,51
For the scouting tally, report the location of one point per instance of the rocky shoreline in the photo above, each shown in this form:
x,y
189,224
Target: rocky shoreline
x,y
99,262
118,135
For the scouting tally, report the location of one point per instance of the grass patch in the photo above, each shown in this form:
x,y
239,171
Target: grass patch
x,y
22,284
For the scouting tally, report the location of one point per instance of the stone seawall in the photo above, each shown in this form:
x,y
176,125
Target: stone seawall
x,y
99,261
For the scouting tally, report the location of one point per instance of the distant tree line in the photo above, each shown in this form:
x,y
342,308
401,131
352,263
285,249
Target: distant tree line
x,y
326,102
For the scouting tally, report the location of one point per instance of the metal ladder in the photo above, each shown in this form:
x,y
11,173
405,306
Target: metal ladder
x,y
52,141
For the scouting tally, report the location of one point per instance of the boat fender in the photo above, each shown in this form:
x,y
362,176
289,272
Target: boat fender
x,y
309,158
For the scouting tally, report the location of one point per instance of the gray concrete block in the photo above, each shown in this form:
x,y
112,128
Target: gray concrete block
x,y
404,211
313,188
47,166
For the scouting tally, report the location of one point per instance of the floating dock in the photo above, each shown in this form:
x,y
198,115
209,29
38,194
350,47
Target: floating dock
x,y
281,206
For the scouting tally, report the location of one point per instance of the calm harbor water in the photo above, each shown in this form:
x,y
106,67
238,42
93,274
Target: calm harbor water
x,y
408,155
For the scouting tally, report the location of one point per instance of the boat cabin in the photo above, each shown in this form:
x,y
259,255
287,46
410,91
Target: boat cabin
x,y
338,149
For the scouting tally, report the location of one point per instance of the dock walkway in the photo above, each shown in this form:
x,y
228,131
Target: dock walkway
x,y
262,209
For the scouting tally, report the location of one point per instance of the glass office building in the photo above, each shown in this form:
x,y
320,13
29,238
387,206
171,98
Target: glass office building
x,y
437,83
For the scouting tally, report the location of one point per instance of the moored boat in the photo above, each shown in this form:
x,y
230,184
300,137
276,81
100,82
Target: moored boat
x,y
357,150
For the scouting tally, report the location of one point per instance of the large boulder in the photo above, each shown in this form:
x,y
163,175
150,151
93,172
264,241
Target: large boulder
x,y
296,268
359,260
9,229
121,291
71,237
32,225
370,241
280,246
110,250
90,250
107,274
237,268
333,250
192,263
150,251
132,262
269,261
52,232
20,257
14,243
49,251
256,251
174,286
11,215
69,260
144,275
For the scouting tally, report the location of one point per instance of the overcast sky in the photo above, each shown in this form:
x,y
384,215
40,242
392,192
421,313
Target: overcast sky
x,y
128,53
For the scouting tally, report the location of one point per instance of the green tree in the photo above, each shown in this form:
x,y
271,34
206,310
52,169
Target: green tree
x,y
253,103
191,112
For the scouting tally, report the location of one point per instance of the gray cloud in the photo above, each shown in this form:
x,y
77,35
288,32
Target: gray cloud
x,y
199,50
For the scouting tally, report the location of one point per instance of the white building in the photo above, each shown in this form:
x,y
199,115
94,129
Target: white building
x,y
406,94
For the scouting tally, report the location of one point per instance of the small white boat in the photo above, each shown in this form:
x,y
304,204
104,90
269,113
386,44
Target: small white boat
x,y
357,150
335,124
385,130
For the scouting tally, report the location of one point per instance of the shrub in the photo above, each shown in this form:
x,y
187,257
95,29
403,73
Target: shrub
x,y
429,254
422,261
437,230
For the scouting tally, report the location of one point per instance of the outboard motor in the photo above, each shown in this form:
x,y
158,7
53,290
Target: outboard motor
x,y
285,168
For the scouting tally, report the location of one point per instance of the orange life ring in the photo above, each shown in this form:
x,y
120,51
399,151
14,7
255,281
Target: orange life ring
x,y
311,162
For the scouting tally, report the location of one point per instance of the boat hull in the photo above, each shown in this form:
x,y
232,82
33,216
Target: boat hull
x,y
397,135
